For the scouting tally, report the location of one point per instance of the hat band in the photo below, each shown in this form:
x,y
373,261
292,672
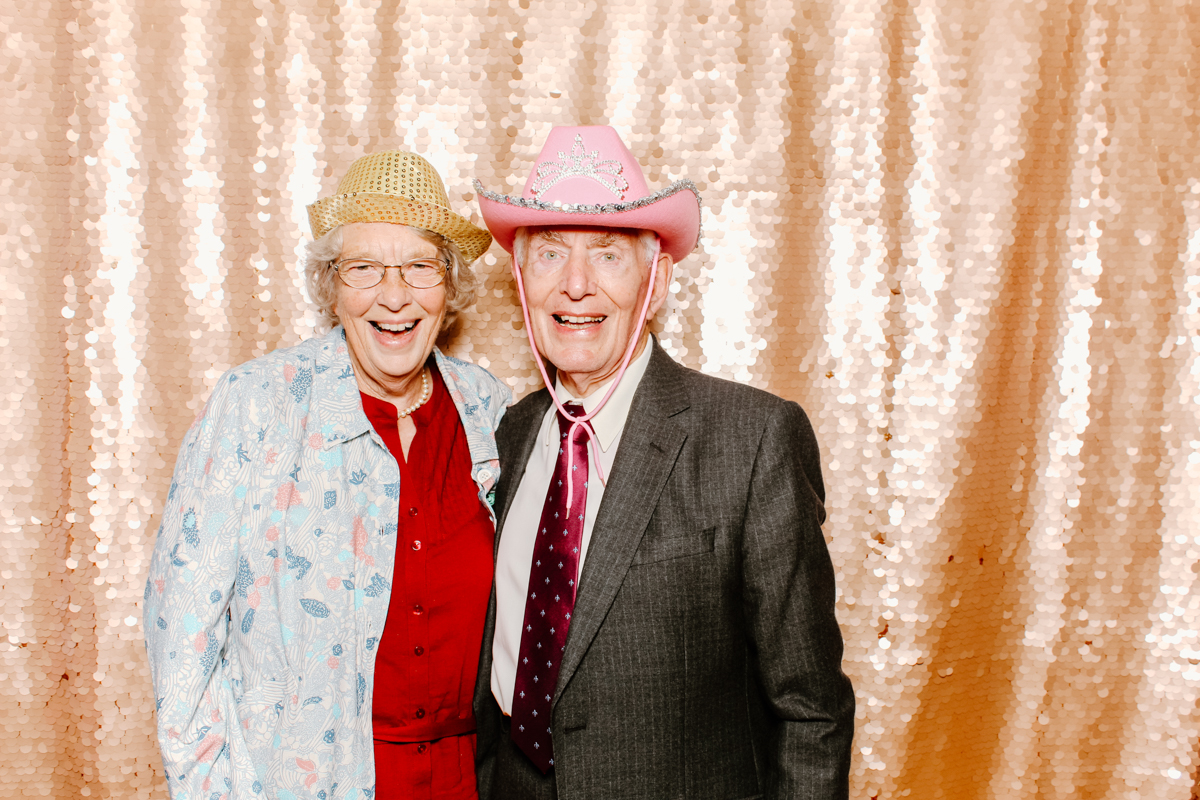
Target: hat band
x,y
580,208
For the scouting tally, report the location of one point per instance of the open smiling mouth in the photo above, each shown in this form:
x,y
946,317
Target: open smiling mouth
x,y
577,323
394,331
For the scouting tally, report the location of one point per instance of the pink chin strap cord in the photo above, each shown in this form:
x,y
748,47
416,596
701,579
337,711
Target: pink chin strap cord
x,y
578,421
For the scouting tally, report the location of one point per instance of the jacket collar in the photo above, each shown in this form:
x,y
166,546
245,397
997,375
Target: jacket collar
x,y
335,410
467,399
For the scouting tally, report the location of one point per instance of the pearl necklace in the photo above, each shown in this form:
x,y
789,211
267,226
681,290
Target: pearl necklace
x,y
426,392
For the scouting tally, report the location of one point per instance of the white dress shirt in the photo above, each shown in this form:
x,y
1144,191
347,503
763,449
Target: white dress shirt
x,y
515,555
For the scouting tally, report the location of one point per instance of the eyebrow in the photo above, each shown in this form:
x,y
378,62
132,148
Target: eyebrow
x,y
596,240
603,239
553,237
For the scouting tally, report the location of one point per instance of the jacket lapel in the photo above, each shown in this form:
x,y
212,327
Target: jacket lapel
x,y
515,440
650,444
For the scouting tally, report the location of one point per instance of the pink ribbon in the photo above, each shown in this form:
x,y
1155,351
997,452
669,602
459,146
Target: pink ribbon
x,y
580,420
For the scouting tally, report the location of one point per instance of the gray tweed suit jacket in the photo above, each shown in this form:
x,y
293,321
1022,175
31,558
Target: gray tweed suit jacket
x,y
703,658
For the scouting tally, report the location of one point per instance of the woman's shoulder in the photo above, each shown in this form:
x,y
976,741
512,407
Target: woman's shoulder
x,y
285,375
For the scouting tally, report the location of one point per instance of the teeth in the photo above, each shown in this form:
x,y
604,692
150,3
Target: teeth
x,y
579,320
401,328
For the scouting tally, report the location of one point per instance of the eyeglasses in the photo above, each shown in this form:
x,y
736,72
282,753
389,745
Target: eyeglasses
x,y
363,273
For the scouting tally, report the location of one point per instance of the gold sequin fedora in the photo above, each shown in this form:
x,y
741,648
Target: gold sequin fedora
x,y
401,188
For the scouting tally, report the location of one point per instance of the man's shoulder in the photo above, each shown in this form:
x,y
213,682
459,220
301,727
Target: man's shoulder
x,y
531,403
523,415
710,395
707,386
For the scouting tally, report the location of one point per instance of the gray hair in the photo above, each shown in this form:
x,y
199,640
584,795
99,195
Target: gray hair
x,y
462,285
646,240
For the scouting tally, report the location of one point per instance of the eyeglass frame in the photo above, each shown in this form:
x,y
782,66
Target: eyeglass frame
x,y
443,263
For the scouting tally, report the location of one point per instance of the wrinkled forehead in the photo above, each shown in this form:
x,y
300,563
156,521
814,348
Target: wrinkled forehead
x,y
388,240
595,236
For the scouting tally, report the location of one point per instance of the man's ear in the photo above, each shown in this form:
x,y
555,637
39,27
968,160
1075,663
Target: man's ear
x,y
662,283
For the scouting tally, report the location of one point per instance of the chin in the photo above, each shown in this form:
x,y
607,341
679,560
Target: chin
x,y
568,359
403,364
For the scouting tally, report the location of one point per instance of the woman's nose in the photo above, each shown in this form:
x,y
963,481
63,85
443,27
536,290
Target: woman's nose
x,y
393,292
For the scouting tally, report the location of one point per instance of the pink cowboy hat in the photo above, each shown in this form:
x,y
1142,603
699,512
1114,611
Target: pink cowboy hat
x,y
586,176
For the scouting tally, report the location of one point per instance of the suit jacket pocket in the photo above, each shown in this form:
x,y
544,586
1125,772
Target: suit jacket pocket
x,y
656,547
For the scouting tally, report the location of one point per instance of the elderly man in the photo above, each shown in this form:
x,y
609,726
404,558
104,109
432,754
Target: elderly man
x,y
663,623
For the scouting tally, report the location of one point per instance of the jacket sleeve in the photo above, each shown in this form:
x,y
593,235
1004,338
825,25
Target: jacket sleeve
x,y
789,605
193,573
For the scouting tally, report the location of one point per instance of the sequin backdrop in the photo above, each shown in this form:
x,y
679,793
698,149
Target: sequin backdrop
x,y
965,236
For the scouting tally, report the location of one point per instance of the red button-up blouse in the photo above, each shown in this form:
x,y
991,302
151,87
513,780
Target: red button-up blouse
x,y
429,651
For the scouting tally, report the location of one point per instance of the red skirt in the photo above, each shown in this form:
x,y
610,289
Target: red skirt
x,y
443,769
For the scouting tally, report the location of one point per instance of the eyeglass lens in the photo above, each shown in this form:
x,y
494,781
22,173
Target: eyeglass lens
x,y
364,273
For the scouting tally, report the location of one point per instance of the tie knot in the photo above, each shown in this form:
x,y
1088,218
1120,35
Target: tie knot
x,y
579,438
575,410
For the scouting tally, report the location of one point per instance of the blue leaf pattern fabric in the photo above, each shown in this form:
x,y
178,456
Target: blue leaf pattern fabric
x,y
191,531
377,586
314,607
298,563
280,500
245,578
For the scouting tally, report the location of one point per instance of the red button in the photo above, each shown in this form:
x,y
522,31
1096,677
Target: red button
x,y
417,544
421,747
418,650
412,512
420,713
418,610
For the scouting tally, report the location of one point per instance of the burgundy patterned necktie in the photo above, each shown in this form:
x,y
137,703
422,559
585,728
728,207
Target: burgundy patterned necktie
x,y
551,596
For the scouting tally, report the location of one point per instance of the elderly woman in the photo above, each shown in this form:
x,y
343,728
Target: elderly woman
x,y
317,594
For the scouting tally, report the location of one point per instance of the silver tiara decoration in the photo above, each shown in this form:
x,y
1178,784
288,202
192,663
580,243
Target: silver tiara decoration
x,y
580,164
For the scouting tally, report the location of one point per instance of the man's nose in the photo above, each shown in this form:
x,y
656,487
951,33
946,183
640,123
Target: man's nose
x,y
577,276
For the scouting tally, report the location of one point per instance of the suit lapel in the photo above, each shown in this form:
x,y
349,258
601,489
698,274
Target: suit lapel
x,y
515,440
650,444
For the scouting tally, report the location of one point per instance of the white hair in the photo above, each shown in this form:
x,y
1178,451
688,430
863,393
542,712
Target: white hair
x,y
462,285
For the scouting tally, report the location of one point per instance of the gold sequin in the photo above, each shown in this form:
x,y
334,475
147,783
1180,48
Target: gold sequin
x,y
401,188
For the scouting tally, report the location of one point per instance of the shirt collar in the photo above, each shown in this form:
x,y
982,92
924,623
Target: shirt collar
x,y
610,421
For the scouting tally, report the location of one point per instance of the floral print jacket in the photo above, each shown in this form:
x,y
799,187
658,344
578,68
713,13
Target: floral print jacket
x,y
270,580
